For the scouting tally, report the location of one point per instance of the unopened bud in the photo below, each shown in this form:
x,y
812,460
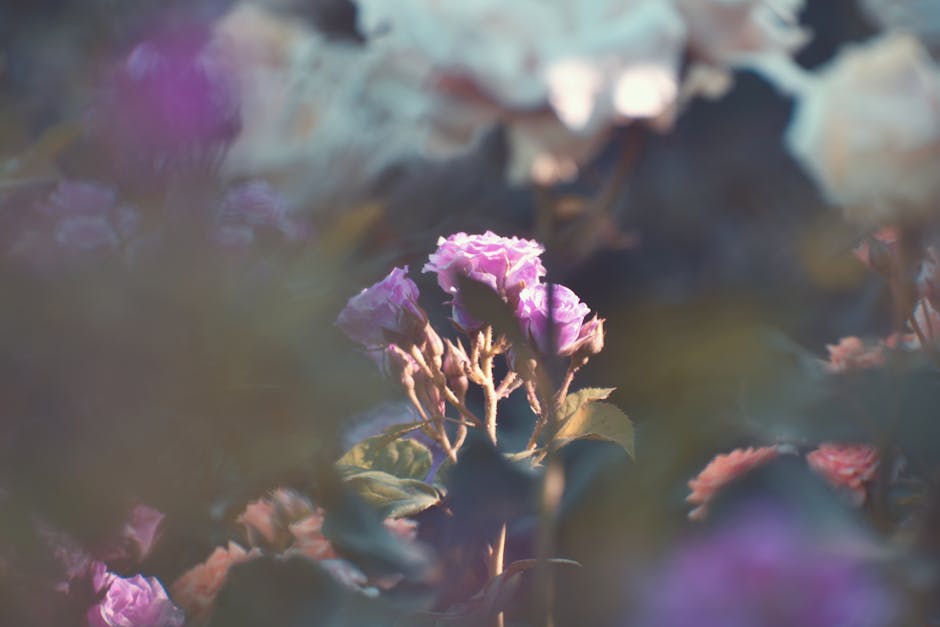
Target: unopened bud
x,y
595,343
401,364
433,342
456,372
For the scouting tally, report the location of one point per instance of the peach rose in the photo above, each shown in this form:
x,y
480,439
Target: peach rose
x,y
196,589
722,470
309,539
846,466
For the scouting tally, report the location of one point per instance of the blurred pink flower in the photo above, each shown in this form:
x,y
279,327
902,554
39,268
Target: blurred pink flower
x,y
851,353
196,589
309,539
142,529
722,470
170,100
880,250
846,466
268,520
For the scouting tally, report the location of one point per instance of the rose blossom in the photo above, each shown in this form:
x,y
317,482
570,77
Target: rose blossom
x,y
133,602
722,470
385,313
569,313
851,353
268,519
846,466
762,567
197,588
868,129
505,264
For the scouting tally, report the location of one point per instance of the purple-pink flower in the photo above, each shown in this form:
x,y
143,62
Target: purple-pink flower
x,y
134,602
568,320
763,568
386,313
505,264
172,98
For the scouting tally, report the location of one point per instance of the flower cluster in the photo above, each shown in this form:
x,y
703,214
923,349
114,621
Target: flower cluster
x,y
387,320
284,523
436,76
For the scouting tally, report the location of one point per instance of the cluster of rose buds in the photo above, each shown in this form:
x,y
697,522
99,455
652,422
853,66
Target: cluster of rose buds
x,y
848,468
436,373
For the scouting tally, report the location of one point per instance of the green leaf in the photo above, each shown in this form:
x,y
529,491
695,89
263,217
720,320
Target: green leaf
x,y
575,400
598,421
392,496
403,458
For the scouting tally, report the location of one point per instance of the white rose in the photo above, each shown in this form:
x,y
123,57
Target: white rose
x,y
868,129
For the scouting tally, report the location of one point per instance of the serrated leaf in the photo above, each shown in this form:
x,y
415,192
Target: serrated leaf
x,y
403,458
575,400
392,496
598,421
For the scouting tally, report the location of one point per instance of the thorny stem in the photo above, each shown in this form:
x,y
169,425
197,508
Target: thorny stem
x,y
562,392
490,397
508,385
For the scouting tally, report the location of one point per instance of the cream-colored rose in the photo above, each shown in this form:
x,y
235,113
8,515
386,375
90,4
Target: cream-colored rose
x,y
558,74
868,129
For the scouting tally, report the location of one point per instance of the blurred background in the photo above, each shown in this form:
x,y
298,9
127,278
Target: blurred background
x,y
176,250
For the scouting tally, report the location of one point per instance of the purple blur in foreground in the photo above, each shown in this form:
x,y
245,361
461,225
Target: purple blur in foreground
x,y
172,99
505,264
763,569
388,312
134,602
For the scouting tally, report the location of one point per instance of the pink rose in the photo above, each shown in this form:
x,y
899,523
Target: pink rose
x,y
846,466
721,471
